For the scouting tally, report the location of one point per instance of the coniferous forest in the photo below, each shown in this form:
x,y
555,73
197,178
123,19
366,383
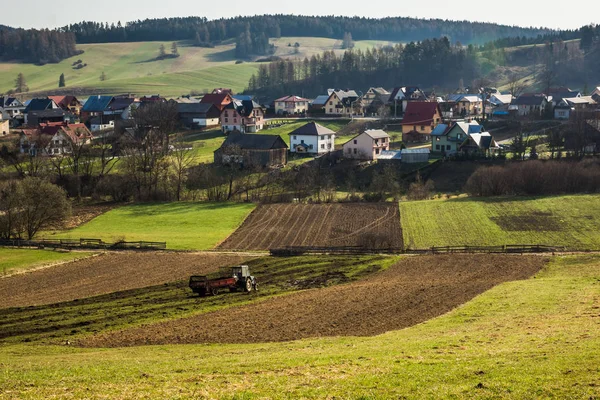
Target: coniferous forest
x,y
36,46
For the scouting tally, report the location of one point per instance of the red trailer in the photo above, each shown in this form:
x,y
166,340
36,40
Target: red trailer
x,y
240,280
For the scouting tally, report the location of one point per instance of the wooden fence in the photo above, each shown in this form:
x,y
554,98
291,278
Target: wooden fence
x,y
83,243
355,250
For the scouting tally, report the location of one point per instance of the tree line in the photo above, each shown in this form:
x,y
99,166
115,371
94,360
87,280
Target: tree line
x,y
428,63
37,46
202,30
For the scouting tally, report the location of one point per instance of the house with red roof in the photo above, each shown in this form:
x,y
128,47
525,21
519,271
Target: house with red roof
x,y
54,138
219,100
291,105
420,119
68,103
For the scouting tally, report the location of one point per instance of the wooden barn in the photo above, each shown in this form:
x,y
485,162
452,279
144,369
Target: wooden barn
x,y
252,150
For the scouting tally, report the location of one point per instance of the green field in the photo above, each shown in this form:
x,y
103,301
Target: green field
x,y
571,221
526,339
132,67
197,226
18,260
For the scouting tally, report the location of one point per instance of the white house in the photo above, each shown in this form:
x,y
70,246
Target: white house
x,y
312,138
291,105
368,145
11,106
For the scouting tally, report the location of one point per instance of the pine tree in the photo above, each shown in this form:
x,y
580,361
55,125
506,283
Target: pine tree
x,y
61,81
102,76
21,83
161,51
174,50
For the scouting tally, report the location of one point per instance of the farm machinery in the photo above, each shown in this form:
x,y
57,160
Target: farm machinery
x,y
240,280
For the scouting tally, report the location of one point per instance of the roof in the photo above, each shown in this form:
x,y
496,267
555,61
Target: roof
x,y
312,129
194,108
472,98
243,97
121,103
97,103
440,130
390,155
499,99
420,112
484,140
580,100
379,90
347,97
321,100
411,92
466,127
5,100
254,141
243,107
215,98
76,132
415,151
529,100
376,134
39,105
293,99
54,112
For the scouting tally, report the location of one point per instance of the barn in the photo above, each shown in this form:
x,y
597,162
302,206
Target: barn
x,y
415,155
252,150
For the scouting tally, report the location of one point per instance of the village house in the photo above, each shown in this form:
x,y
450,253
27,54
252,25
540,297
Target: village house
x,y
318,104
122,107
95,106
367,146
70,104
466,104
198,115
557,95
312,138
401,96
4,126
374,99
251,151
245,116
498,104
420,119
291,105
343,103
596,94
42,110
567,106
219,100
53,138
12,106
449,139
529,104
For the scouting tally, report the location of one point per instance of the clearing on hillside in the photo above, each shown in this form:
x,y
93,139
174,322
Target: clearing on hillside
x,y
106,273
412,291
373,226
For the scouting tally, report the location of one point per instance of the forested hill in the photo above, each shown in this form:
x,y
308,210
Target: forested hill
x,y
399,29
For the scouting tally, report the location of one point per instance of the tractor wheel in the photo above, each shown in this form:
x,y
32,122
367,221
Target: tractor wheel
x,y
214,291
248,287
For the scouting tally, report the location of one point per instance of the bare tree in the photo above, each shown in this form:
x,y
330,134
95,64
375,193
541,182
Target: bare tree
x,y
182,158
516,85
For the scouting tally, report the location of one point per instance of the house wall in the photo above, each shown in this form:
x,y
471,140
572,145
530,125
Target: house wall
x,y
4,127
410,158
263,158
562,113
291,107
363,147
206,121
334,106
449,143
424,129
320,144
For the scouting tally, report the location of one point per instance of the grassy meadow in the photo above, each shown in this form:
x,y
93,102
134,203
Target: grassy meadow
x,y
133,67
183,225
535,338
570,221
18,260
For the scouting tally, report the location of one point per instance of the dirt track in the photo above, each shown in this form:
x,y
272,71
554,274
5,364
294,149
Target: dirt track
x,y
106,273
374,225
414,290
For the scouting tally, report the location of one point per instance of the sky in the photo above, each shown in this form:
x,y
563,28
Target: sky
x,y
46,14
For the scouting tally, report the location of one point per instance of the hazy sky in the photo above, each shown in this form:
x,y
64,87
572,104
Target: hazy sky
x,y
42,13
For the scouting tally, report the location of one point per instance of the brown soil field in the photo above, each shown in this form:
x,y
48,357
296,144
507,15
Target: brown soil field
x,y
82,214
106,273
412,291
269,226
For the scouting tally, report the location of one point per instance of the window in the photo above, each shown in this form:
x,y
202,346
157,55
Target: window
x,y
355,150
235,120
295,138
331,110
376,151
323,146
322,137
310,146
302,141
437,139
226,120
349,150
331,103
356,142
415,128
437,146
459,135
448,147
422,127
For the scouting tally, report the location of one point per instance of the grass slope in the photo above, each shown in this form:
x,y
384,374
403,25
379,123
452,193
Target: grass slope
x,y
198,226
18,260
526,339
132,67
570,221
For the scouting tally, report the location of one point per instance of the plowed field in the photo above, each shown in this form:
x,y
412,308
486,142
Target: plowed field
x,y
106,273
330,225
412,291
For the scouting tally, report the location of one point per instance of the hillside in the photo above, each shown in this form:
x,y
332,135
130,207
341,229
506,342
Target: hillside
x,y
132,67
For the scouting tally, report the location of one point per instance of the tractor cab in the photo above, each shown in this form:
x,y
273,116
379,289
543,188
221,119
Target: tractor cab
x,y
240,272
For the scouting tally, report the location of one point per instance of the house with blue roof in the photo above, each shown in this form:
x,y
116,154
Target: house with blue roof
x,y
449,138
95,106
